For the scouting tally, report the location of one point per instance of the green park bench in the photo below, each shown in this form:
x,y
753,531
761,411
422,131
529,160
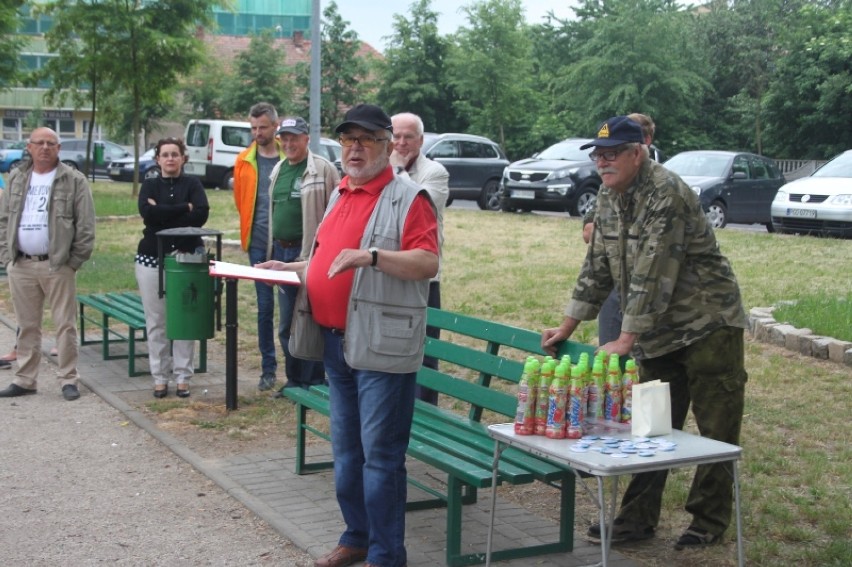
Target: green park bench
x,y
457,442
124,309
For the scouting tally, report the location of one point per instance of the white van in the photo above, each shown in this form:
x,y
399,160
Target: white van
x,y
213,147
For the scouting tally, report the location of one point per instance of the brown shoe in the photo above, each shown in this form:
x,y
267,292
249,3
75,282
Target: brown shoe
x,y
341,556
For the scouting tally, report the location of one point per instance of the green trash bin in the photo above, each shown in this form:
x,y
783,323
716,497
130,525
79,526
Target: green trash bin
x,y
189,297
99,154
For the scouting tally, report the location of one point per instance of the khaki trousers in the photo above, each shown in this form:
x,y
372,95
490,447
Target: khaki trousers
x,y
32,284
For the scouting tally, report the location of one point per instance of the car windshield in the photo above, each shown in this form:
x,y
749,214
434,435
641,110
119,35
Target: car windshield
x,y
566,151
841,166
699,165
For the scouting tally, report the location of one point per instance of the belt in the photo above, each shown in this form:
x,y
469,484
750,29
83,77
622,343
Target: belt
x,y
333,331
36,258
288,243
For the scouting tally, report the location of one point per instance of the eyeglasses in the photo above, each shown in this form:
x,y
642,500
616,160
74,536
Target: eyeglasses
x,y
365,140
607,155
44,143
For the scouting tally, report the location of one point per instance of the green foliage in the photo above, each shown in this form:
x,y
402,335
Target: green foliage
x,y
344,74
486,69
413,75
809,103
260,74
10,44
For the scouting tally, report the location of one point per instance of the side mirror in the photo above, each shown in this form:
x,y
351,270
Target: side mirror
x,y
739,175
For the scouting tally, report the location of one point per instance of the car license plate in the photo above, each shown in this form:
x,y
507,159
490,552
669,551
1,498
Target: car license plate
x,y
114,171
194,168
807,213
521,194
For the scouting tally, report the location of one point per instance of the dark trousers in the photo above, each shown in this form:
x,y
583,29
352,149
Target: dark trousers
x,y
711,375
429,395
609,319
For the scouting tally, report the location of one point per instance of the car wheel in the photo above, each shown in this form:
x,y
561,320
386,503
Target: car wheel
x,y
70,164
227,181
449,202
717,214
489,198
770,228
586,201
152,173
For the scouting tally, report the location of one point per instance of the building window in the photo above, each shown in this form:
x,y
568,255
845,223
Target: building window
x,y
66,128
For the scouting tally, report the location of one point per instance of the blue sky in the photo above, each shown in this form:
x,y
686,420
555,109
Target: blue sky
x,y
373,19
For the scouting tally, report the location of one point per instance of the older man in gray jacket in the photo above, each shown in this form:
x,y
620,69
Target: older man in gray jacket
x,y
47,232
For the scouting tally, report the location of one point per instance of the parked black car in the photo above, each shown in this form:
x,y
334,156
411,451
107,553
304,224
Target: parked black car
x,y
122,169
475,165
560,178
732,186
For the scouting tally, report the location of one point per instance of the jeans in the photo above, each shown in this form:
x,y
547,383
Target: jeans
x,y
265,309
610,318
371,414
299,372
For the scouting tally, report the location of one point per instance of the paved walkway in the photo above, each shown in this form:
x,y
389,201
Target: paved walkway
x,y
303,508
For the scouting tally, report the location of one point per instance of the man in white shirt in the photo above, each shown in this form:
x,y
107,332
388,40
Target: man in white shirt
x,y
432,176
47,232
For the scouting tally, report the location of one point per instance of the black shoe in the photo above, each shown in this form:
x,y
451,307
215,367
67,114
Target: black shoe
x,y
161,393
70,392
623,530
696,537
5,363
13,391
267,381
182,393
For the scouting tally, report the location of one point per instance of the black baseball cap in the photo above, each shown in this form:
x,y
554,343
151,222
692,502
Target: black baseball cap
x,y
367,116
616,131
292,125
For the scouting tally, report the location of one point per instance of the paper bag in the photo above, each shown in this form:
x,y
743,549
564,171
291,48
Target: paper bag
x,y
652,409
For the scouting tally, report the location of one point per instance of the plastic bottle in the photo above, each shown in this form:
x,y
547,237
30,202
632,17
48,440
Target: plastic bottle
x,y
527,389
545,378
574,418
612,410
556,405
596,393
629,378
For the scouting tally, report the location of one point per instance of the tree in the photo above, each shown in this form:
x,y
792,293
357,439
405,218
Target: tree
x,y
809,101
10,43
260,74
635,56
344,73
141,46
203,90
488,68
413,76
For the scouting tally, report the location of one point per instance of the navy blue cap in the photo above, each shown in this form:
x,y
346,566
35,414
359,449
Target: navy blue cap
x,y
616,131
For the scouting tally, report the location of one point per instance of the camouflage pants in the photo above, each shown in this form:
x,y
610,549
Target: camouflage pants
x,y
711,375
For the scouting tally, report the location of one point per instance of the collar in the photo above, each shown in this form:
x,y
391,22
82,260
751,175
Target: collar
x,y
373,186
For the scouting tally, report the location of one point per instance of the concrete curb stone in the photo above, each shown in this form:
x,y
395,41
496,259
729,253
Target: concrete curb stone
x,y
765,328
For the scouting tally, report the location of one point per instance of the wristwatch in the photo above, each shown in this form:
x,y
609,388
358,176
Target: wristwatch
x,y
375,252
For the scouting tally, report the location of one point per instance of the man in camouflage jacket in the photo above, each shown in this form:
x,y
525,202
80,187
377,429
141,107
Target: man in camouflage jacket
x,y
683,319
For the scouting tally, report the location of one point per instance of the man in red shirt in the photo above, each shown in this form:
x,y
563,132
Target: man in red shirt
x,y
367,284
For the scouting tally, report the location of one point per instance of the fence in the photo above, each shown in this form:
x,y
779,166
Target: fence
x,y
796,168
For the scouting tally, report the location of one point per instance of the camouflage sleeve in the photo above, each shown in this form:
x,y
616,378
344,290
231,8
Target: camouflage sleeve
x,y
660,249
594,282
589,216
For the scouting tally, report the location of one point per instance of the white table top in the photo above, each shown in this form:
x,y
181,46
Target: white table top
x,y
690,450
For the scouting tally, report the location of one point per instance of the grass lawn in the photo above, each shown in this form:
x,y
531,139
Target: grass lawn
x,y
796,476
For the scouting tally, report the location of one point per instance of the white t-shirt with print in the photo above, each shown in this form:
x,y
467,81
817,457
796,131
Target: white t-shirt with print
x,y
33,235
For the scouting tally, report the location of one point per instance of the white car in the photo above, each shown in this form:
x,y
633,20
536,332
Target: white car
x,y
819,204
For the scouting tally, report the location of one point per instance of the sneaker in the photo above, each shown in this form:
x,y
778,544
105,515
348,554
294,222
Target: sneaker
x,y
623,530
696,537
267,381
70,392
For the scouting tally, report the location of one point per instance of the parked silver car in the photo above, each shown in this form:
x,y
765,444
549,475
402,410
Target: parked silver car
x,y
818,204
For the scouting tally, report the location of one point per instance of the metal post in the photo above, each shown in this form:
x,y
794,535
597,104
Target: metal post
x,y
315,77
231,344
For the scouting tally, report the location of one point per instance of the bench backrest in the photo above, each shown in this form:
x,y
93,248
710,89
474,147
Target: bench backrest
x,y
482,360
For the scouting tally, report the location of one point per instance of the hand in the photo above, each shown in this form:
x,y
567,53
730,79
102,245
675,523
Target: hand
x,y
397,159
622,346
190,207
552,337
151,201
348,259
587,231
